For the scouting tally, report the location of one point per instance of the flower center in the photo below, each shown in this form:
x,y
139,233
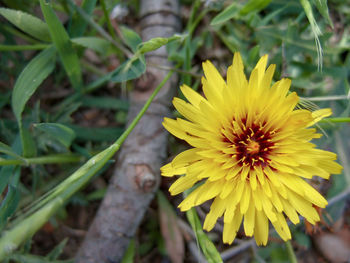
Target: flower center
x,y
252,143
253,147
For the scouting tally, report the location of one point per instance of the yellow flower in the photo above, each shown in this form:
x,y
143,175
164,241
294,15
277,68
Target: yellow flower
x,y
251,152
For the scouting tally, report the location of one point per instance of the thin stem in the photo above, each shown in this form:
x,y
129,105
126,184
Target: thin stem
x,y
22,47
198,76
99,29
335,120
56,158
290,251
327,98
339,197
125,134
109,25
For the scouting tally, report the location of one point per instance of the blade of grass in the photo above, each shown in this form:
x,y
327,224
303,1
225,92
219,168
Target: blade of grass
x,y
315,30
98,28
63,45
78,26
30,222
32,25
22,47
108,21
28,81
209,250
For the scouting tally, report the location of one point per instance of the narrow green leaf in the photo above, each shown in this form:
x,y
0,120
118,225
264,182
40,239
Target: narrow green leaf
x,y
209,250
63,45
315,29
10,202
27,23
131,38
57,131
228,13
26,84
7,150
57,250
130,253
130,69
79,24
6,173
323,9
30,78
254,6
95,43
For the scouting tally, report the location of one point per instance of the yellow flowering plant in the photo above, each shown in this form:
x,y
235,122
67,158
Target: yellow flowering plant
x,y
251,152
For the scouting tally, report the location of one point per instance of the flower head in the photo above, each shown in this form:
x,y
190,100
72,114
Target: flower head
x,y
251,152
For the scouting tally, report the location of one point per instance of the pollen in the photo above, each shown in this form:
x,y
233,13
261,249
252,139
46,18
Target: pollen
x,y
253,147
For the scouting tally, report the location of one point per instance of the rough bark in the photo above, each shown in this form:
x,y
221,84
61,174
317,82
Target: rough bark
x,y
136,176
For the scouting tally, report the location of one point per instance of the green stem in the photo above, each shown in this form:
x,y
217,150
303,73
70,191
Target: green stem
x,y
336,120
98,28
122,138
290,251
56,158
22,47
109,25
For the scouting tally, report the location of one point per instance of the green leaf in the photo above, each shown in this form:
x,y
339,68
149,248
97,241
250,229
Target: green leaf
x,y
315,29
30,78
95,43
130,69
10,202
7,150
63,45
78,22
130,253
57,131
26,84
209,250
228,13
57,250
27,23
323,9
131,38
254,6
157,42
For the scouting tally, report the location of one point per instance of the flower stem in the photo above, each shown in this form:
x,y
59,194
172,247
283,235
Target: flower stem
x,y
336,120
290,251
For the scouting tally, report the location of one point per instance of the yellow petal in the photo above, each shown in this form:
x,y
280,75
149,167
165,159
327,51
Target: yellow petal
x,y
231,228
249,220
319,115
192,96
303,207
245,199
261,232
282,228
216,210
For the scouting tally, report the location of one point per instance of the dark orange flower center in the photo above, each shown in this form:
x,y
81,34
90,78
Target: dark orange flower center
x,y
253,147
253,144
